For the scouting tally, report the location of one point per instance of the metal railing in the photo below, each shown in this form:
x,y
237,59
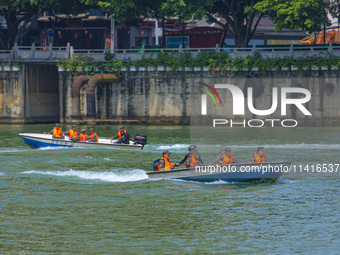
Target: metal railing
x,y
58,53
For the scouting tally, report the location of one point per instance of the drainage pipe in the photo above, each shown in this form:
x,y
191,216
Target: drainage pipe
x,y
75,94
91,87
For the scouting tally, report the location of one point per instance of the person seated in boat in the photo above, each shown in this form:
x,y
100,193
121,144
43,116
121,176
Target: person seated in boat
x,y
93,136
123,136
83,137
56,132
72,134
192,160
165,162
225,157
259,155
191,147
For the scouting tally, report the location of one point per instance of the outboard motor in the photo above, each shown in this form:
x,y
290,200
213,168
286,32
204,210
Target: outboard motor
x,y
141,139
156,164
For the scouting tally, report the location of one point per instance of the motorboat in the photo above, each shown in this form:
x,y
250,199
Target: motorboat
x,y
238,172
35,141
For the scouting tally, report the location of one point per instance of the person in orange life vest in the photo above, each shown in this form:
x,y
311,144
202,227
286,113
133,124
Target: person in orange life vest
x,y
93,136
227,158
123,136
192,160
191,147
259,155
56,132
165,162
72,134
224,157
82,136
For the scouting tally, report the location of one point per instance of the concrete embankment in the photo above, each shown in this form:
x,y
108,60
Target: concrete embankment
x,y
38,92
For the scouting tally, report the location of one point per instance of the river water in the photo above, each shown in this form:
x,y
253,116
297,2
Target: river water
x,y
86,201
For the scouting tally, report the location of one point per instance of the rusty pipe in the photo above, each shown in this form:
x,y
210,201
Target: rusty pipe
x,y
75,94
91,87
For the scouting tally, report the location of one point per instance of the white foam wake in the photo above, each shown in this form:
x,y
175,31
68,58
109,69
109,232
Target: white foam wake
x,y
174,146
113,176
219,182
283,180
53,148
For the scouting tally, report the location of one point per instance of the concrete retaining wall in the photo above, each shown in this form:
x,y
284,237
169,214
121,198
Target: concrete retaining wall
x,y
39,93
174,97
12,91
29,93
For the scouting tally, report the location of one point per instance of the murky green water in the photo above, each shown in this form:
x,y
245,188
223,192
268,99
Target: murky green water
x,y
86,201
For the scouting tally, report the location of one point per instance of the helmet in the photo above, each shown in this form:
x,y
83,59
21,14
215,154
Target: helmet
x,y
91,129
191,147
166,152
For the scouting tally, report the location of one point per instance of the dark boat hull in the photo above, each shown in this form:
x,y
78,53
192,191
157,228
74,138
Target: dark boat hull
x,y
242,172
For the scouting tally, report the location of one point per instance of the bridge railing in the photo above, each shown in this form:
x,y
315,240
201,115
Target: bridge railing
x,y
58,53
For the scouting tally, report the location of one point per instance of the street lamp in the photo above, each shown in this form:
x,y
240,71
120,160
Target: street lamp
x,y
52,32
156,31
324,27
112,47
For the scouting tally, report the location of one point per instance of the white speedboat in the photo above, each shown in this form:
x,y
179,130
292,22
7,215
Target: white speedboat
x,y
45,140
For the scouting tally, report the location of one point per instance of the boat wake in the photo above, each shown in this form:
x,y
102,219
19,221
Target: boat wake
x,y
283,180
112,176
219,182
52,148
171,147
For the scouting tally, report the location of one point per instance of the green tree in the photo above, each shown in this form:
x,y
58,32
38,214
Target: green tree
x,y
239,15
334,9
241,18
129,10
22,15
309,15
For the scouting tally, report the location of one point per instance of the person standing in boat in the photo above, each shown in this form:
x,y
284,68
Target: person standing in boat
x,y
225,157
259,155
82,136
72,134
191,147
123,136
192,160
56,132
93,136
165,162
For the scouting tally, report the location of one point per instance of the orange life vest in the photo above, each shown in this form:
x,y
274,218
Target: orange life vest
x,y
57,132
257,158
167,164
73,133
120,135
194,161
83,137
227,159
92,136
